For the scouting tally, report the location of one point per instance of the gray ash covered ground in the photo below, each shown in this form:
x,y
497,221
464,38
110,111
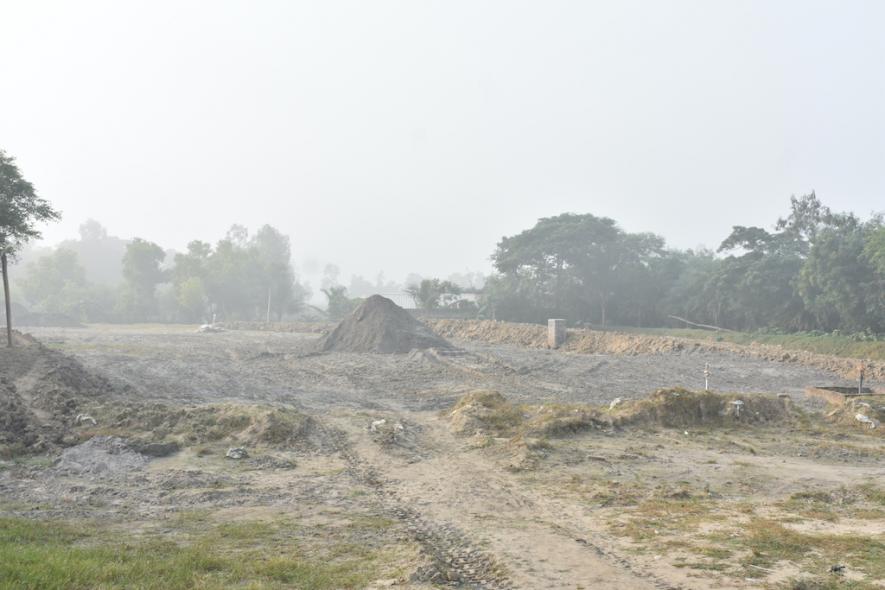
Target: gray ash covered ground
x,y
42,391
174,364
328,467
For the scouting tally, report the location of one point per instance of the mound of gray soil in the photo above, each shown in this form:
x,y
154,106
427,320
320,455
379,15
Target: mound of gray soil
x,y
380,325
41,393
103,456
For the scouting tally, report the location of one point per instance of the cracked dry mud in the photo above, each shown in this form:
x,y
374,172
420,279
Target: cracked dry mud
x,y
454,511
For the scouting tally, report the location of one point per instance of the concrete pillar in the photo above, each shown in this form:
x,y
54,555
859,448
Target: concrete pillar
x,y
555,333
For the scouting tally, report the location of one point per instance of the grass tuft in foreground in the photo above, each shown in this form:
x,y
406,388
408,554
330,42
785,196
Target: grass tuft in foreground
x,y
47,556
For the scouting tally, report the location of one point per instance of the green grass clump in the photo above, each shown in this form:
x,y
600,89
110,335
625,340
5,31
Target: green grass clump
x,y
770,542
42,555
485,411
864,501
677,514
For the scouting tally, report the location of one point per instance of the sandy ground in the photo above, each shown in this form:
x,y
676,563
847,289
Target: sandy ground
x,y
459,511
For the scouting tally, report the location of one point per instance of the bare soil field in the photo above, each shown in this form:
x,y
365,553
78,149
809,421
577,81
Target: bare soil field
x,y
487,465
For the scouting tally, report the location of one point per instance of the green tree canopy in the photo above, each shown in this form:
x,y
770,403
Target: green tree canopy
x,y
56,283
339,304
141,275
238,277
21,211
433,293
575,262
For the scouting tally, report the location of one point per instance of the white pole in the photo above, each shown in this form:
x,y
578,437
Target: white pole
x,y
267,319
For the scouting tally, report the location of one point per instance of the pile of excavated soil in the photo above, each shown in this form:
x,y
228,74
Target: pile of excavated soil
x,y
150,426
586,341
865,413
41,393
19,428
484,411
379,325
680,408
594,342
103,456
490,413
529,429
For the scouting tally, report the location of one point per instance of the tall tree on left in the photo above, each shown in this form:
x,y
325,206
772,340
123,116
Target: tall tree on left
x,y
21,210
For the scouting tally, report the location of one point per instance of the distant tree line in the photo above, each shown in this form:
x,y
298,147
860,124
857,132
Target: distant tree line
x,y
815,270
241,277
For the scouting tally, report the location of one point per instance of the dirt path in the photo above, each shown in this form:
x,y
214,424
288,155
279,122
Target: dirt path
x,y
534,542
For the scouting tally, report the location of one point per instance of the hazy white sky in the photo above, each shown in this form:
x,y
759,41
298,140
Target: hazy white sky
x,y
410,136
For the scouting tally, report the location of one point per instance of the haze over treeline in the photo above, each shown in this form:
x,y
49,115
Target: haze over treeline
x,y
401,135
812,269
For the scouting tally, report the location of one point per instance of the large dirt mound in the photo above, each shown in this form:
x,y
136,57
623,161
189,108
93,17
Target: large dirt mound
x,y
41,393
380,325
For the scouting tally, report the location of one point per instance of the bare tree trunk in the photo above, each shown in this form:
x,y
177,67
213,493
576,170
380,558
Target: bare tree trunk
x,y
8,302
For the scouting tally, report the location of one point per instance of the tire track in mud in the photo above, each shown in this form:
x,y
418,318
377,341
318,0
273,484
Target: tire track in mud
x,y
454,561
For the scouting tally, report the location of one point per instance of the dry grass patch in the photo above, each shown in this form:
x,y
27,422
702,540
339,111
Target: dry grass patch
x,y
770,542
675,513
231,424
485,412
863,414
489,412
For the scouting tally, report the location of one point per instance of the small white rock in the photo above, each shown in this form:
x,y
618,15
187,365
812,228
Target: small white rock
x,y
236,453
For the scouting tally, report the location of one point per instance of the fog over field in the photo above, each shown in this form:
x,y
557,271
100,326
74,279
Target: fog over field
x,y
422,295
410,136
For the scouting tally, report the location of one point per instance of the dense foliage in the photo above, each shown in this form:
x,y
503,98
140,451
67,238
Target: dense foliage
x,y
431,294
21,211
813,270
816,270
240,278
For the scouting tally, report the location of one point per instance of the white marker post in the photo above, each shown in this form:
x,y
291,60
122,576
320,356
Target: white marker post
x,y
860,378
706,377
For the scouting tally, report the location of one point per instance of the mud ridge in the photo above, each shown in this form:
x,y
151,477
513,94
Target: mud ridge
x,y
615,343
